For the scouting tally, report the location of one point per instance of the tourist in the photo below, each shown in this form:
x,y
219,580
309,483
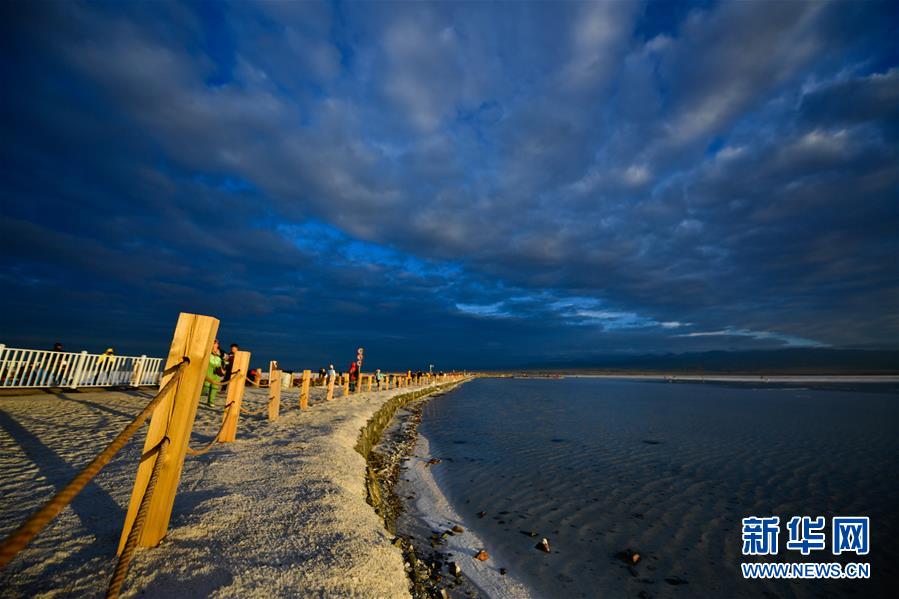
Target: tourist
x,y
104,365
214,372
229,361
354,375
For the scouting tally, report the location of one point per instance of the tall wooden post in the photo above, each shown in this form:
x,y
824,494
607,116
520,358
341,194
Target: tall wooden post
x,y
257,378
272,366
172,418
346,385
330,394
274,388
235,396
304,390
369,382
274,402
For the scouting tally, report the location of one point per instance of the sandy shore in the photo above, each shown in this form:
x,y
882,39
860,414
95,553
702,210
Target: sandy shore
x,y
281,512
430,510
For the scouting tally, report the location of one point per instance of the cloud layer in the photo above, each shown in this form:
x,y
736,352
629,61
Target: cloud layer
x,y
477,183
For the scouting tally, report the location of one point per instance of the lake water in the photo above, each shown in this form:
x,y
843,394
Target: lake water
x,y
600,466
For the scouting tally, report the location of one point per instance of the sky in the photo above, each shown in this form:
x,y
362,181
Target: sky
x,y
467,184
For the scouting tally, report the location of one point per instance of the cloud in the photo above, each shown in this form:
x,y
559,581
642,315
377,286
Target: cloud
x,y
787,340
623,171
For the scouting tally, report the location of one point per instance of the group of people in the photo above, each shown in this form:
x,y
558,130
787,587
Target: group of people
x,y
218,371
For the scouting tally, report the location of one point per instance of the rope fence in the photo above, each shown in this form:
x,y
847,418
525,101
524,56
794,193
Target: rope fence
x,y
173,411
20,537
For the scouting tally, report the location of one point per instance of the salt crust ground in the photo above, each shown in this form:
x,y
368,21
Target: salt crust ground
x,y
281,512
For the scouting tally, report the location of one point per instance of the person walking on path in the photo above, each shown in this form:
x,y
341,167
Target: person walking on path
x,y
214,372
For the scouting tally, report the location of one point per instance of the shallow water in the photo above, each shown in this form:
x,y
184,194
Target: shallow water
x,y
668,470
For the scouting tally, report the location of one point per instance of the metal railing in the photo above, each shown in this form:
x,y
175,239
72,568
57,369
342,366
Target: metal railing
x,y
30,368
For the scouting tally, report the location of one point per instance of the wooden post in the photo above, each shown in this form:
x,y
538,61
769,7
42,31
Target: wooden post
x,y
370,377
330,395
172,418
258,377
274,388
304,390
346,385
274,402
358,389
235,396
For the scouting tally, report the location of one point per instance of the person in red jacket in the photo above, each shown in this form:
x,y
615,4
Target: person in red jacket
x,y
354,375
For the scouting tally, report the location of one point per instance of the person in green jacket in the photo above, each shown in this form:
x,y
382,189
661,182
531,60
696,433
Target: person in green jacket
x,y
214,373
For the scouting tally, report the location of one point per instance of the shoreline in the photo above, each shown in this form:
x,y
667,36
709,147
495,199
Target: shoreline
x,y
429,512
723,378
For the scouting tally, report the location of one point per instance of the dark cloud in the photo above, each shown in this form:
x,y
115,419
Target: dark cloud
x,y
481,182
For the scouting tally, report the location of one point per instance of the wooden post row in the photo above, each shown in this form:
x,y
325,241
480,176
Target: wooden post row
x,y
172,418
304,390
235,396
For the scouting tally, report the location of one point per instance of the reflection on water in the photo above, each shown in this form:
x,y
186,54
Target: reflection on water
x,y
602,466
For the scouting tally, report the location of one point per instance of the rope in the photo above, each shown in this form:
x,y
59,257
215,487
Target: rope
x,y
254,412
121,568
20,537
208,446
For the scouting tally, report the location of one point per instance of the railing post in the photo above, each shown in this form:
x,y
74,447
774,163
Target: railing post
x,y
79,370
304,390
370,377
172,418
346,385
2,364
235,396
138,373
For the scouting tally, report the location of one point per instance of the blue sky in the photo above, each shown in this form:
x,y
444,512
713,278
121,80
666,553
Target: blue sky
x,y
466,184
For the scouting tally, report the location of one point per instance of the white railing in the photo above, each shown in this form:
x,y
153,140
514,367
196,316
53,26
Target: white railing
x,y
25,368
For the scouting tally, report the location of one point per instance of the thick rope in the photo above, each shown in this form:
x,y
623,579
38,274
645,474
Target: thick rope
x,y
121,568
20,537
208,446
255,412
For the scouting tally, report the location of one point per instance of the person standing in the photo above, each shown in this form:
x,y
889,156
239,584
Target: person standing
x,y
354,375
104,364
229,361
214,372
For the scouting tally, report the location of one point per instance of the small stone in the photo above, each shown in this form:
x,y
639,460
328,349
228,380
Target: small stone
x,y
503,571
481,514
454,569
458,529
482,556
444,594
433,461
635,558
543,545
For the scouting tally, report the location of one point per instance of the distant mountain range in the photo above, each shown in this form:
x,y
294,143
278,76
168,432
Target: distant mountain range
x,y
781,361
